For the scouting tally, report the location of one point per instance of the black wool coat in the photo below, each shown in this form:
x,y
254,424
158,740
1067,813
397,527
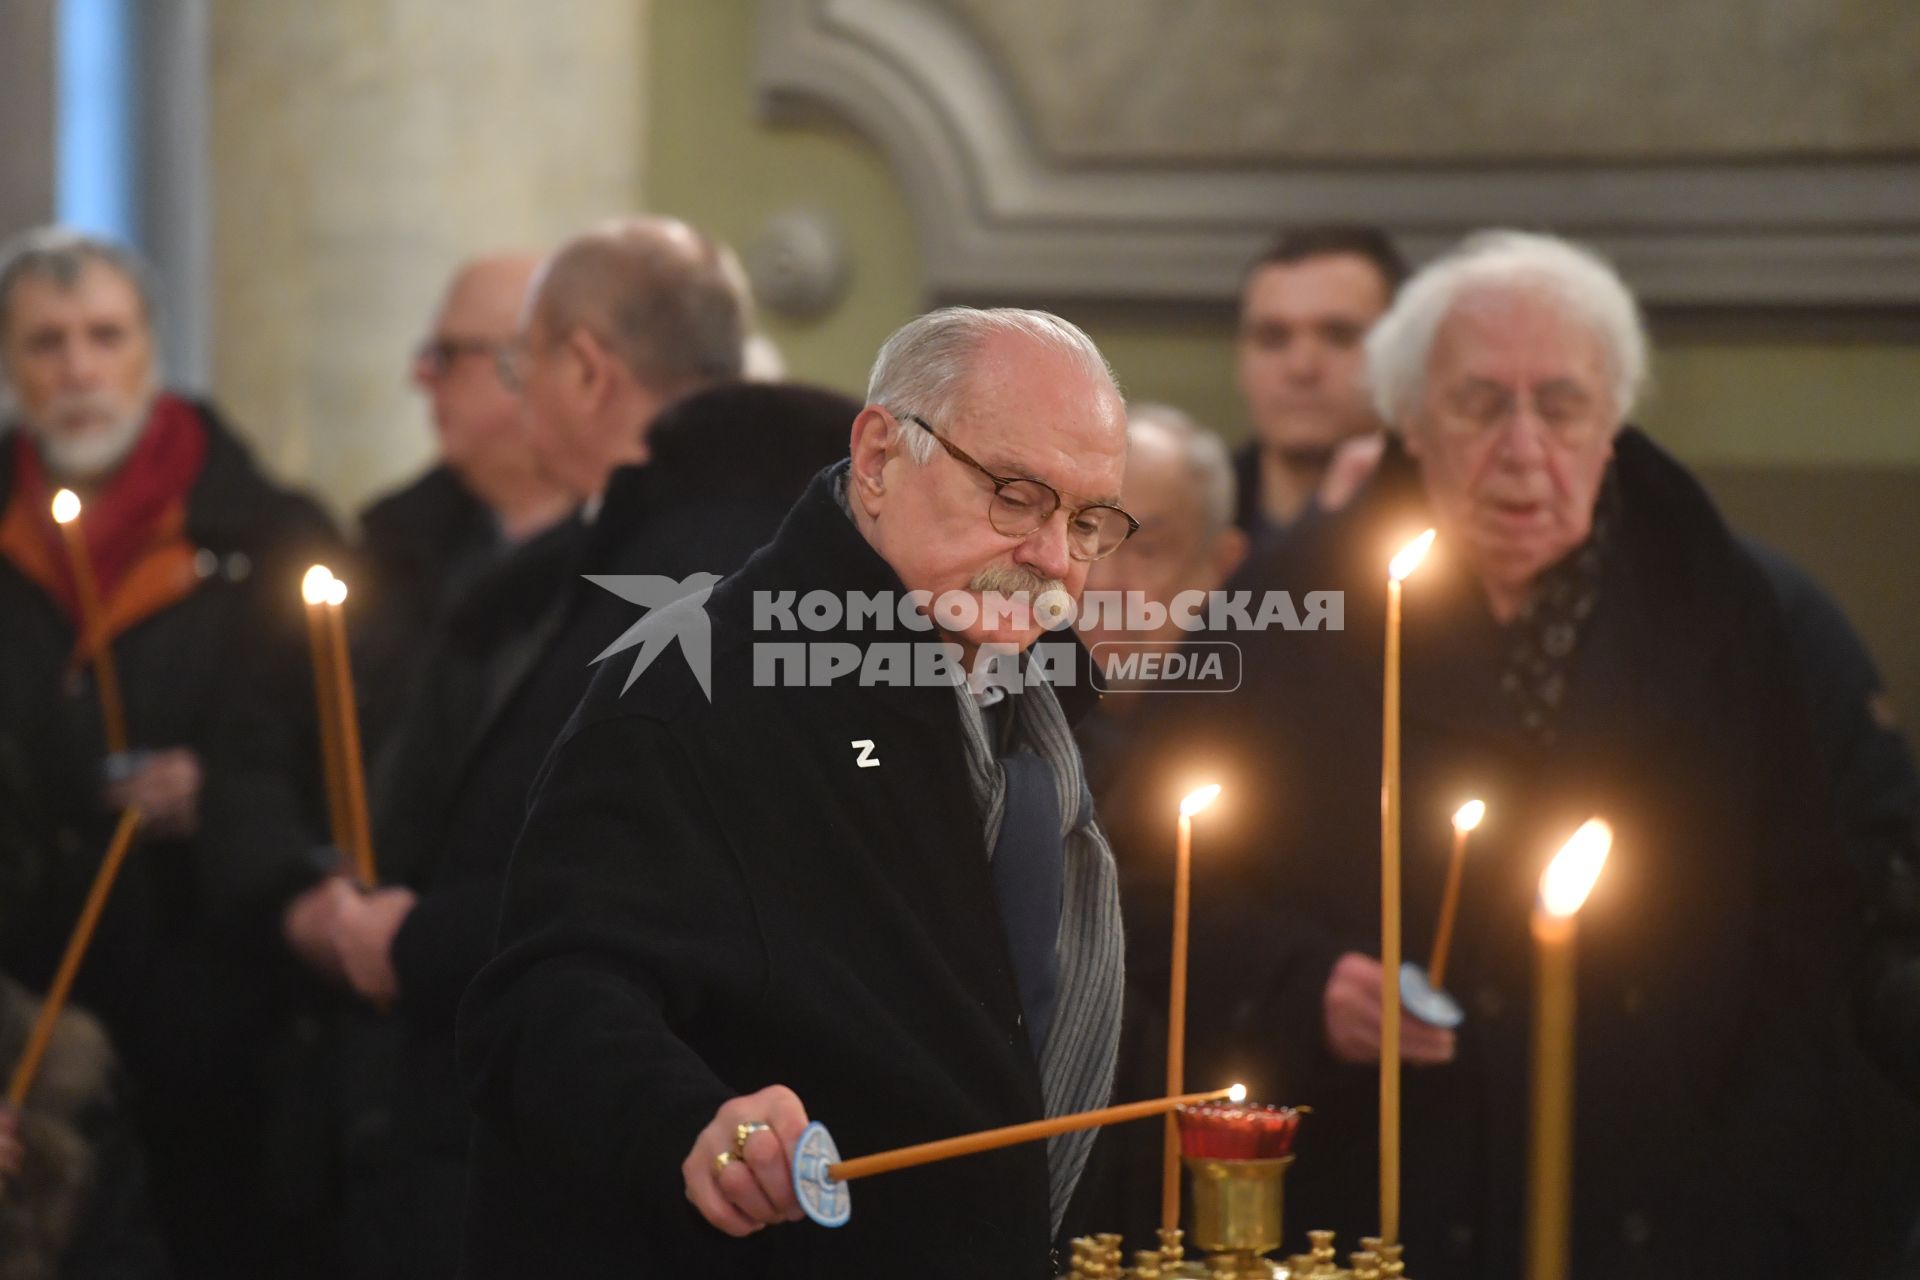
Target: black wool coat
x,y
712,897
510,664
183,967
1716,1088
420,549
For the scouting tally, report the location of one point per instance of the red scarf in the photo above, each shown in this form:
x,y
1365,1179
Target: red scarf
x,y
134,527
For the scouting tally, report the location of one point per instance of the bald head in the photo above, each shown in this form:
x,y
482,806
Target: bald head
x,y
487,294
657,293
476,416
1179,485
624,319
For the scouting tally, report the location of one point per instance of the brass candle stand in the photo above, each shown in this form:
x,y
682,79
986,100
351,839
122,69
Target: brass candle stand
x,y
1238,1217
1238,1211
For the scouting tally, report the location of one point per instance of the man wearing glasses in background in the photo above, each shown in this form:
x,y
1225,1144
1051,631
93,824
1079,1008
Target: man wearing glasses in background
x,y
627,373
741,903
485,494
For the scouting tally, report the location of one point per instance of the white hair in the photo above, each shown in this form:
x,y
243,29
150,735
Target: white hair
x,y
1576,279
62,254
923,368
1209,466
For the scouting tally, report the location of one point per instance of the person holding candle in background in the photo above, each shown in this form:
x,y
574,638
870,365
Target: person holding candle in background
x,y
1586,637
190,551
421,547
629,350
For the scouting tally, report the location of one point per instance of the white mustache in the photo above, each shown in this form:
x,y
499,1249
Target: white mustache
x,y
1012,580
80,406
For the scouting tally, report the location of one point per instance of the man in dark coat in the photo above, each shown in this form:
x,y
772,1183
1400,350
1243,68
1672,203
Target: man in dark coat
x,y
421,547
196,560
510,660
1586,639
511,663
744,899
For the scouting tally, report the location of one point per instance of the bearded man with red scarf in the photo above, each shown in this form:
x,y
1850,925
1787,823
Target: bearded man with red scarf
x,y
196,559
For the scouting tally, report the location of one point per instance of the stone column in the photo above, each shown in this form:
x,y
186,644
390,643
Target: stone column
x,y
360,149
26,104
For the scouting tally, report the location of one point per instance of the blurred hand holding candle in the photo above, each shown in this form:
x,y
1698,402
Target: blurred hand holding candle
x,y
315,589
1563,891
1423,991
339,719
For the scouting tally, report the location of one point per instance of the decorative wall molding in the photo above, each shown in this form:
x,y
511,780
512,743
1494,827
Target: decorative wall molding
x,y
999,221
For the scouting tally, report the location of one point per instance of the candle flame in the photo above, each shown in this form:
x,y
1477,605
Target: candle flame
x,y
1568,879
1198,800
314,587
336,592
1238,1093
66,507
1468,815
1410,557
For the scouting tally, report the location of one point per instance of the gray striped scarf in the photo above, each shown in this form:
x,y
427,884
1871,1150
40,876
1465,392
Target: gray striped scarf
x,y
1077,1061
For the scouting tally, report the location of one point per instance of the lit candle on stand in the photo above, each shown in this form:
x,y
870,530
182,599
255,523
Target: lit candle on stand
x,y
352,771
1177,999
113,715
1398,571
1465,819
315,589
1563,889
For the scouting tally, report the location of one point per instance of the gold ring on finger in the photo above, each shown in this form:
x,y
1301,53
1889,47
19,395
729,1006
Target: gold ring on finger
x,y
741,1132
721,1161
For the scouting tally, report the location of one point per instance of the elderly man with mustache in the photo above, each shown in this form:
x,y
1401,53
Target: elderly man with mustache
x,y
762,886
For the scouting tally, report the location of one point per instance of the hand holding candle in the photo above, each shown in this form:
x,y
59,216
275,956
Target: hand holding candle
x,y
339,720
315,589
1563,891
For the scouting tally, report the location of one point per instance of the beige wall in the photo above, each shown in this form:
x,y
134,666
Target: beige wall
x,y
26,104
361,148
1768,398
710,162
1807,389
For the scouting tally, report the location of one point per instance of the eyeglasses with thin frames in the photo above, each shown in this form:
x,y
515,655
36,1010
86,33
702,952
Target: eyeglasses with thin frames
x,y
437,356
1021,504
1569,413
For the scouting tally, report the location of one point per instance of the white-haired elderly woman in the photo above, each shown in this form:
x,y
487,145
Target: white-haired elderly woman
x,y
1586,638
